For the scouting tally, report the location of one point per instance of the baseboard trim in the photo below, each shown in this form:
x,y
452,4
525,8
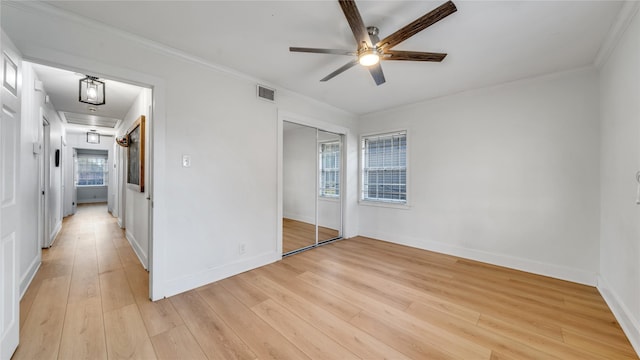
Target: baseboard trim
x,y
186,283
54,233
301,218
629,324
140,253
27,278
551,270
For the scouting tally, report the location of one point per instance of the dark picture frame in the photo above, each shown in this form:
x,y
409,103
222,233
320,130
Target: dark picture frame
x,y
135,155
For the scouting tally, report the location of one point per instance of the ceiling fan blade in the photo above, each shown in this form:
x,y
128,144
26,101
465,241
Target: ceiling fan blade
x,y
322,51
377,74
354,19
412,56
342,69
418,25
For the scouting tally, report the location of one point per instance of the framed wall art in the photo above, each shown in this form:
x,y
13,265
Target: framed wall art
x,y
135,155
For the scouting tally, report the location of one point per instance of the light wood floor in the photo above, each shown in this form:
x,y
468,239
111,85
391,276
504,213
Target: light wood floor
x,y
297,234
356,298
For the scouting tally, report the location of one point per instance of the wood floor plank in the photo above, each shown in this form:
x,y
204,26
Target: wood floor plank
x,y
115,290
159,316
83,287
337,306
307,338
138,279
247,294
40,336
215,337
108,260
378,312
255,332
177,343
357,341
83,336
126,335
600,346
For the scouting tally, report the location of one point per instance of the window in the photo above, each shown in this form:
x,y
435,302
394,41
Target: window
x,y
384,167
91,170
329,169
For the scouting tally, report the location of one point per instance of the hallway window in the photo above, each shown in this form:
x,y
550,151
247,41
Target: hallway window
x,y
92,169
384,167
330,169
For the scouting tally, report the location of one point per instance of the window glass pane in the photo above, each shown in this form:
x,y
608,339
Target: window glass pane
x,y
384,173
91,170
330,169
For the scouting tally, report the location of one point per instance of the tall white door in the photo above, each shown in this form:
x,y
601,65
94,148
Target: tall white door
x,y
10,93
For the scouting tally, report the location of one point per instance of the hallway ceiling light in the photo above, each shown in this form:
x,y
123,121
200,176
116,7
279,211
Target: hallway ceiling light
x,y
91,91
93,137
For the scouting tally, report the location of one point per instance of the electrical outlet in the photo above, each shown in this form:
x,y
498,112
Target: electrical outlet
x,y
242,249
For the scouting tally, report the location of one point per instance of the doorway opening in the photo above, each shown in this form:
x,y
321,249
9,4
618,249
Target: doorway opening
x,y
90,160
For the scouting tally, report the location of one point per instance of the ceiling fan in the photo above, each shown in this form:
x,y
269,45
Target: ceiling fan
x,y
371,49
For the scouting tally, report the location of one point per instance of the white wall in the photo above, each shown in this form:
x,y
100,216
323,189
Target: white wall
x,y
506,175
619,280
91,194
201,214
34,109
136,205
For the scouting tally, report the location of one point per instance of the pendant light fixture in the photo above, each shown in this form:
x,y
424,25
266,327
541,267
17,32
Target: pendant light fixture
x,y
93,137
91,91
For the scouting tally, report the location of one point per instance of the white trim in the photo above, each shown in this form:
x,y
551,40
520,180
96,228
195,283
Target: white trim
x,y
579,276
189,282
140,253
629,324
28,276
54,233
626,14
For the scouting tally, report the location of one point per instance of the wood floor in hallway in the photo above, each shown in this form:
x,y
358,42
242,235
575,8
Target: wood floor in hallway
x,y
353,299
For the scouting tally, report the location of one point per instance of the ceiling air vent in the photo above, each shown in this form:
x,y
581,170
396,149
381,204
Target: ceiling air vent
x,y
267,94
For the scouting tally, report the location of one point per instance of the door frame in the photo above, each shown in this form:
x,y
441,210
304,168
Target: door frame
x,y
44,181
156,181
319,125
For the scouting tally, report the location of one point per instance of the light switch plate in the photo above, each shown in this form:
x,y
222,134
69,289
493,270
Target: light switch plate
x,y
186,161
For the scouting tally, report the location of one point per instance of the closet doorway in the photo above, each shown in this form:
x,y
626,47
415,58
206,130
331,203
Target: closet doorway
x,y
311,187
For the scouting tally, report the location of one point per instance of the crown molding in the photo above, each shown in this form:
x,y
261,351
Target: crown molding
x,y
38,7
626,14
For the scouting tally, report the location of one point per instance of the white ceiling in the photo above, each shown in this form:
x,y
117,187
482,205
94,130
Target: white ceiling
x,y
488,42
62,88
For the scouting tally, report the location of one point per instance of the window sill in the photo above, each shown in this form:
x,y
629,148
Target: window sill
x,y
385,204
91,186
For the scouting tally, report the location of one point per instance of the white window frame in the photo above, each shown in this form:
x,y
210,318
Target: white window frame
x,y
321,193
105,176
382,202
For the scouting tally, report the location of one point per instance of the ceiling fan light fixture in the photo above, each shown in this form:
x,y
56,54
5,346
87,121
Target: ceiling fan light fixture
x,y
369,57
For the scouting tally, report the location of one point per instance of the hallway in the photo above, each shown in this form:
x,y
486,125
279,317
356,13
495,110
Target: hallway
x,y
91,293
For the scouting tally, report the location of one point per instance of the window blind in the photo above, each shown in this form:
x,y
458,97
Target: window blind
x,y
384,167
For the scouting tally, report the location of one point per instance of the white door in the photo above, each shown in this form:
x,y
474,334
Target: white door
x,y
9,211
